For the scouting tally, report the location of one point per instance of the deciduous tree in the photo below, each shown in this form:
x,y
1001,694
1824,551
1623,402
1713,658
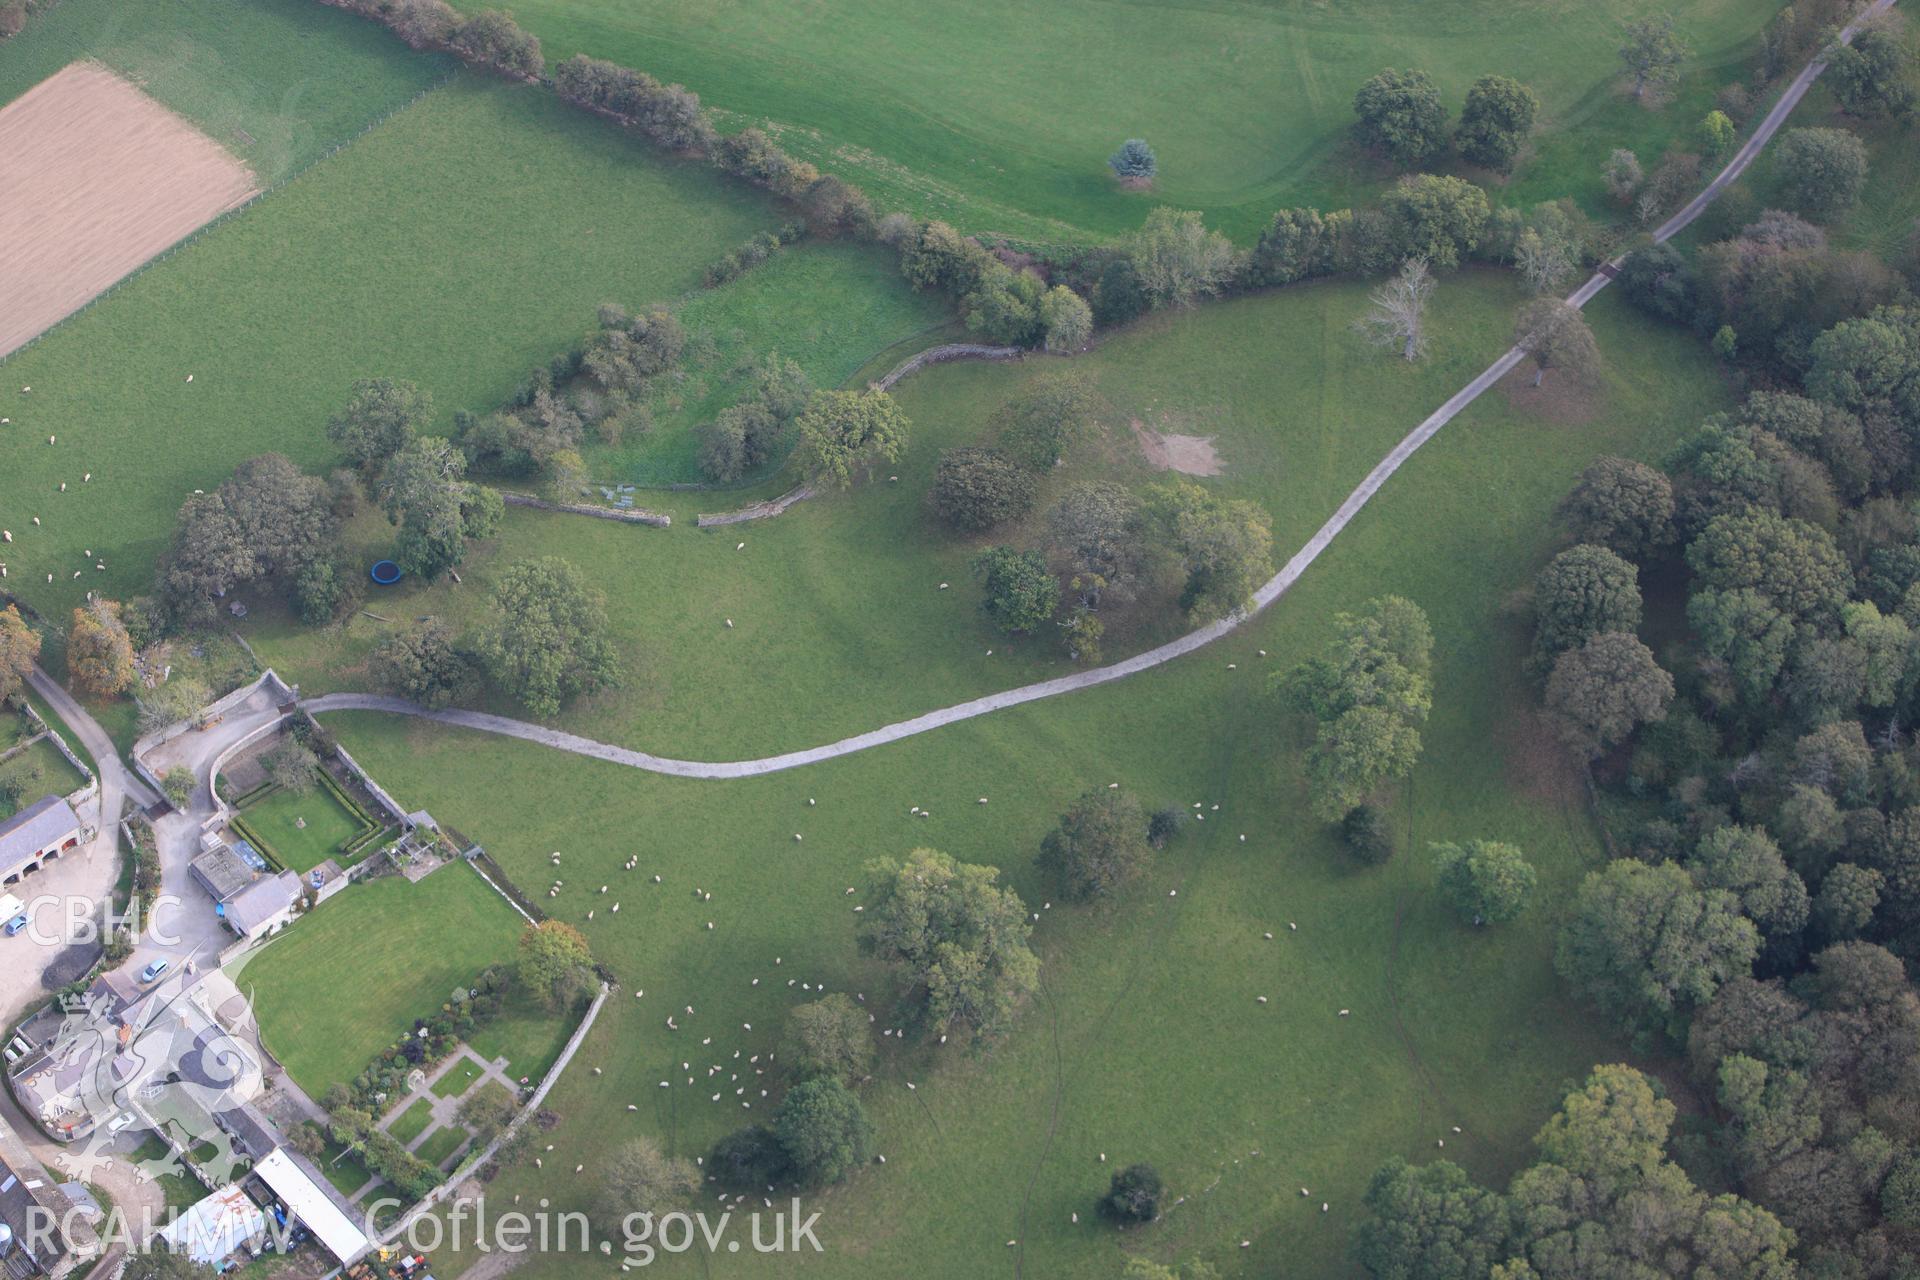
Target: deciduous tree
x,y
1099,845
545,639
1178,260
1652,51
955,936
831,1038
844,432
381,417
1400,113
1396,316
1488,882
1600,692
99,651
1495,121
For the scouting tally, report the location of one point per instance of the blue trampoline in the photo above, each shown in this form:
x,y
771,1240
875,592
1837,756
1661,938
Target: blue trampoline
x,y
385,572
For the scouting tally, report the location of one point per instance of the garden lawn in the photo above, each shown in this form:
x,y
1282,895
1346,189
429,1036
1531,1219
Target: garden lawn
x,y
461,243
343,1169
1146,1041
999,116
351,976
39,771
526,1034
412,1122
458,1077
839,620
443,1143
277,82
276,818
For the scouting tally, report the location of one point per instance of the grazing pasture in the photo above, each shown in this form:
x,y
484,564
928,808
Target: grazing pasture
x,y
1299,409
1146,1041
1000,116
460,243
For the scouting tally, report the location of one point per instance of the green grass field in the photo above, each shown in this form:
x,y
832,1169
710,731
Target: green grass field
x,y
328,826
352,975
526,1034
40,770
443,1143
277,82
459,244
1300,409
979,114
1146,1042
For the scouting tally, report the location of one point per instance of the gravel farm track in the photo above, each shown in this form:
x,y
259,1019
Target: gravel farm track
x,y
96,178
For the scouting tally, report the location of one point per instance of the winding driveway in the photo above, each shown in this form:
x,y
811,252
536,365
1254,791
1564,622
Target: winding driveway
x,y
1272,590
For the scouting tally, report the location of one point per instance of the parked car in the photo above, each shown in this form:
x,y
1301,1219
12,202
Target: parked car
x,y
16,924
153,971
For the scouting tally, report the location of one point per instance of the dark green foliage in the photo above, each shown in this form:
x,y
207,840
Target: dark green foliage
x,y
545,639
1299,244
1369,691
824,1131
1620,504
1020,592
1794,565
1164,825
1368,835
1823,169
1661,281
1495,121
1099,846
1652,52
1648,946
830,1038
1487,882
1004,306
1133,1196
749,1159
1400,113
668,114
1430,1222
1435,218
268,521
957,939
380,419
492,39
424,665
1582,592
1869,76
1134,161
1600,692
1040,425
976,489
1225,545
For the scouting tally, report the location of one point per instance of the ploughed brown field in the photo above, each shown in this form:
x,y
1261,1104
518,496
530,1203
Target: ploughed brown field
x,y
96,178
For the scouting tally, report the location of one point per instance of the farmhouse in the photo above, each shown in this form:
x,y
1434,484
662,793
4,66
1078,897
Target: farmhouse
x,y
44,829
31,1200
262,906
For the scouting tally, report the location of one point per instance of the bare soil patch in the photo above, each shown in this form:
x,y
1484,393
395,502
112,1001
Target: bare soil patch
x,y
1561,398
96,178
1189,455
